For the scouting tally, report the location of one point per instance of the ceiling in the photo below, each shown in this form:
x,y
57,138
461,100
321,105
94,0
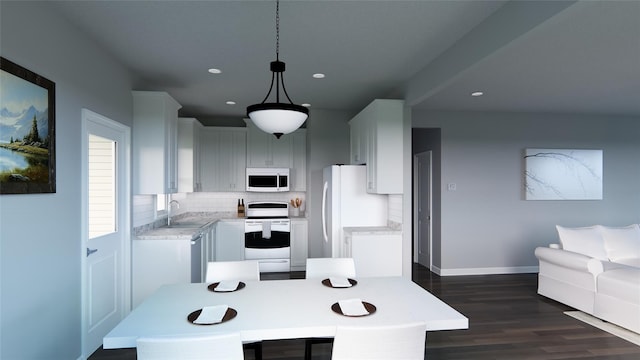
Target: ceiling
x,y
534,56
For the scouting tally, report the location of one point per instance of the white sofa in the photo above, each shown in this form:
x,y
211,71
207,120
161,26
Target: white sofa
x,y
596,270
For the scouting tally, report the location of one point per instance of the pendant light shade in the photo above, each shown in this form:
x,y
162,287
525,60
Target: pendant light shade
x,y
275,117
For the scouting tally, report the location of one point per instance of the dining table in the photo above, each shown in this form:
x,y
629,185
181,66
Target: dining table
x,y
283,309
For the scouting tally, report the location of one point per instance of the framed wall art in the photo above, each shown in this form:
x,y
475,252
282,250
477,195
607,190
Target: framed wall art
x,y
27,131
563,174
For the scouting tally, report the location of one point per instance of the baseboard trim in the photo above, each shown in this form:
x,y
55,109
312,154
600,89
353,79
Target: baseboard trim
x,y
485,271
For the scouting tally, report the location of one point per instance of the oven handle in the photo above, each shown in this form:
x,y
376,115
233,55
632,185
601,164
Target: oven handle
x,y
272,261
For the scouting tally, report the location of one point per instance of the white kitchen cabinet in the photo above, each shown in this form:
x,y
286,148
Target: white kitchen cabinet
x,y
154,143
299,243
159,262
375,253
209,244
229,240
223,156
377,141
189,130
265,150
298,170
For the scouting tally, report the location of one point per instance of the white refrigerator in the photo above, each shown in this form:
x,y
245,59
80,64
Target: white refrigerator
x,y
346,203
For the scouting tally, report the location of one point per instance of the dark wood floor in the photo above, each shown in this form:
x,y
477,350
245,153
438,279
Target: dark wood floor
x,y
507,320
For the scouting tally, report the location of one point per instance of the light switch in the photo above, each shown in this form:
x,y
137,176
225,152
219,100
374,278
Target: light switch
x,y
451,186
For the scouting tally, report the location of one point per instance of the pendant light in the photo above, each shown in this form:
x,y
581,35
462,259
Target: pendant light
x,y
277,118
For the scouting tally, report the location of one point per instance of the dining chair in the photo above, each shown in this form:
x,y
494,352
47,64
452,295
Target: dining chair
x,y
236,270
323,268
232,270
389,342
196,347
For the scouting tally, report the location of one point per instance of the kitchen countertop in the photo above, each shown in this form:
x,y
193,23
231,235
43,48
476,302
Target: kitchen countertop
x,y
371,230
182,229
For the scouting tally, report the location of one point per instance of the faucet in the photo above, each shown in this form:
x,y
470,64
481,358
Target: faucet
x,y
169,210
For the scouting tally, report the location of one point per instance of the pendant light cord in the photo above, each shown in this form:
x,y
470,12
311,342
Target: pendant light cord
x,y
277,30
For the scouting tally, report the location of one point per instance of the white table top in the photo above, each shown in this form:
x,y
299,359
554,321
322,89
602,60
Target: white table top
x,y
283,309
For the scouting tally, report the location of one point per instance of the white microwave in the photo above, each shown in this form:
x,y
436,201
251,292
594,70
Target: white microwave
x,y
268,179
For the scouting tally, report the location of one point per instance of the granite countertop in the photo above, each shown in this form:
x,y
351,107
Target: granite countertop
x,y
185,226
371,230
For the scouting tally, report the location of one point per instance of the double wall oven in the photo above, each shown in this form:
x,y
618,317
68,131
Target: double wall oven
x,y
267,235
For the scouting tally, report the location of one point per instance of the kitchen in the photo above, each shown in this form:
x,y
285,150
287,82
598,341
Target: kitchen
x,y
215,172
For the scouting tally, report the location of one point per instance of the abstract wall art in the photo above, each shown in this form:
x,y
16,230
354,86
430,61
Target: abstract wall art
x,y
563,174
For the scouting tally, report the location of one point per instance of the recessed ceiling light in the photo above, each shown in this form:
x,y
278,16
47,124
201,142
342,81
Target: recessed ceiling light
x,y
477,93
215,71
306,105
230,102
318,76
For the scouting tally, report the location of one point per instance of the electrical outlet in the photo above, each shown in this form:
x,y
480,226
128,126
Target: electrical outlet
x,y
451,186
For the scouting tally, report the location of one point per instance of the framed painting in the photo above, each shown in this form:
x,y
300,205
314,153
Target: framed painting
x,y
27,131
563,174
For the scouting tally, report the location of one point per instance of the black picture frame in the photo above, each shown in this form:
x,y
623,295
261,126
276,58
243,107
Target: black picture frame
x,y
27,131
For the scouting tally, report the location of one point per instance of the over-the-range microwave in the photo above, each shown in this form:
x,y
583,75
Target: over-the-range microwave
x,y
268,179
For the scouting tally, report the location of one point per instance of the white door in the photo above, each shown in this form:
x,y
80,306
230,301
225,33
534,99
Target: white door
x,y
105,227
422,208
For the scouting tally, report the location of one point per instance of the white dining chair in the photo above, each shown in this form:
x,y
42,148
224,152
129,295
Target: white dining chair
x,y
323,268
236,270
232,270
389,342
197,347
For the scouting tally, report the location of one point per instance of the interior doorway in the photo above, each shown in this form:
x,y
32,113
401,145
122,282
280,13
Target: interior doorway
x,y
105,225
422,208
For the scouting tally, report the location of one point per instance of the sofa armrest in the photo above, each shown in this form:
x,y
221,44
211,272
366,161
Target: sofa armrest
x,y
569,260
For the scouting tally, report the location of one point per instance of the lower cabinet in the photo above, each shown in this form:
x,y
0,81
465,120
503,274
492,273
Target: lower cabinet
x,y
159,262
299,244
375,254
229,240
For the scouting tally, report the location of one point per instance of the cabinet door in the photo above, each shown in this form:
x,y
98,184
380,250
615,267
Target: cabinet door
x,y
208,152
229,241
189,130
223,159
231,162
154,143
265,150
156,263
258,141
299,244
298,170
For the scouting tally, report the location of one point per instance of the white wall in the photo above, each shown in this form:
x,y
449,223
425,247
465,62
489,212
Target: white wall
x,y
40,240
486,225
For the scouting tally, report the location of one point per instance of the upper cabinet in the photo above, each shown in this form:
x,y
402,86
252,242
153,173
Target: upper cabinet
x,y
223,154
265,150
154,144
189,130
377,141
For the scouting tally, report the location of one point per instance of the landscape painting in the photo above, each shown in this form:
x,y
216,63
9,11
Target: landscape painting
x,y
563,174
27,131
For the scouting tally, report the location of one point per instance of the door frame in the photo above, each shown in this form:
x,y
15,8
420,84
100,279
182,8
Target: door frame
x,y
417,186
123,212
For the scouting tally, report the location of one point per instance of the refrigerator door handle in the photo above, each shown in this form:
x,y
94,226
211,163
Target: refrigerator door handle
x,y
325,190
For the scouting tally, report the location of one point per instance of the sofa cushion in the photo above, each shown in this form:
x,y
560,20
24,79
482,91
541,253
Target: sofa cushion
x,y
623,283
583,240
621,243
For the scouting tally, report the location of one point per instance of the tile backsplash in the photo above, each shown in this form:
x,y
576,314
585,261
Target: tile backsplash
x,y
144,212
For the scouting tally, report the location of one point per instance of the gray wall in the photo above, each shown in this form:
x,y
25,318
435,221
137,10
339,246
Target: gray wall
x,y
327,143
40,239
486,225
